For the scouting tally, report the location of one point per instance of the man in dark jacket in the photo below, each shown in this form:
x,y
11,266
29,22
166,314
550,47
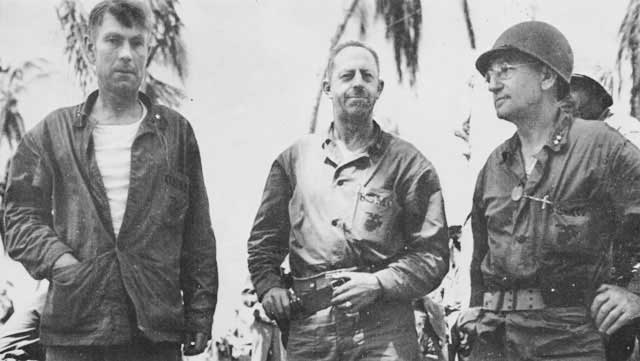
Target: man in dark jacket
x,y
550,205
106,199
360,214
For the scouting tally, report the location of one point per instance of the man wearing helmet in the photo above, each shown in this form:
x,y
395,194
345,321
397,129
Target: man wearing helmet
x,y
591,101
551,206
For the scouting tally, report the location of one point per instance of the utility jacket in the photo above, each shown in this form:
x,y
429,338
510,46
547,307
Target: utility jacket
x,y
381,209
571,224
158,276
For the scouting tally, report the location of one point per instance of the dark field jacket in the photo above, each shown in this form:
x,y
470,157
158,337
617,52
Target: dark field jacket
x,y
158,276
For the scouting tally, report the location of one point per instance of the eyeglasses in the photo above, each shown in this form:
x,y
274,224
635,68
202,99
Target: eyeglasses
x,y
502,71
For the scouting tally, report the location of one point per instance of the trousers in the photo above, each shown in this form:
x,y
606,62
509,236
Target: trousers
x,y
383,331
139,350
266,342
554,333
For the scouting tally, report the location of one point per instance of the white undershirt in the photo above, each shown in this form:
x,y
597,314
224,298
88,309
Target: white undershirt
x,y
531,166
113,154
348,155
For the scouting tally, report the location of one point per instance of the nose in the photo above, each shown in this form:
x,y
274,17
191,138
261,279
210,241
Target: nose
x,y
494,84
125,53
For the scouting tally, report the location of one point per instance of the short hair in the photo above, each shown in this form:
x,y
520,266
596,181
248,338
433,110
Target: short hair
x,y
353,43
127,12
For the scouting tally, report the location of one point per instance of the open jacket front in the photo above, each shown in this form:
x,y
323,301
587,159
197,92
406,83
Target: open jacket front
x,y
158,275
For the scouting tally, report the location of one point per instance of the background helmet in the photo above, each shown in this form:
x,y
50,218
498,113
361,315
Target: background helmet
x,y
590,83
537,39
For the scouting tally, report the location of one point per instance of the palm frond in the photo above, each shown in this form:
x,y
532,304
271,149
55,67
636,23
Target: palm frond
x,y
13,80
403,20
464,133
161,92
168,47
629,33
74,24
11,122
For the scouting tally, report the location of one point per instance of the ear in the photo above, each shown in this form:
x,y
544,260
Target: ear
x,y
90,48
380,86
326,88
549,78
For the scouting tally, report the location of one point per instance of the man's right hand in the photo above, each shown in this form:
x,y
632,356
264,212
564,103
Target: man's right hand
x,y
276,303
67,259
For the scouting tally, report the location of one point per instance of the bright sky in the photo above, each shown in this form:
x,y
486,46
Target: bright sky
x,y
255,66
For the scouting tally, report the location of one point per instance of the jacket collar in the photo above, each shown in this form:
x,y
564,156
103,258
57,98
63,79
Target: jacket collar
x,y
84,110
557,141
376,146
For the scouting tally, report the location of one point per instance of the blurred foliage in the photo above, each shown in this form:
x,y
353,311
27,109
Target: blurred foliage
x,y
166,48
14,79
403,20
628,50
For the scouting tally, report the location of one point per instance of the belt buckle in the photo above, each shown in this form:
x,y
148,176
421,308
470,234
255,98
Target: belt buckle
x,y
509,300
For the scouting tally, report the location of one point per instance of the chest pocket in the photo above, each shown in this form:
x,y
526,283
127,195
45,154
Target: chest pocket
x,y
175,196
375,214
572,228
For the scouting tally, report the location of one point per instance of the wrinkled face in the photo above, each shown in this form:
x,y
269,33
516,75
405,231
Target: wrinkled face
x,y
354,86
119,54
516,84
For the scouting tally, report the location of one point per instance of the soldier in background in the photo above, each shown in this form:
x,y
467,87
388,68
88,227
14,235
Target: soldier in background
x,y
591,101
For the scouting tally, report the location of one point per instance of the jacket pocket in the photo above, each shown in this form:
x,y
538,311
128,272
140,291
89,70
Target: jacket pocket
x,y
71,297
374,215
571,230
175,196
158,291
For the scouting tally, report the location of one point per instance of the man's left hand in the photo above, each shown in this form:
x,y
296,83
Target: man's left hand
x,y
194,343
360,290
614,307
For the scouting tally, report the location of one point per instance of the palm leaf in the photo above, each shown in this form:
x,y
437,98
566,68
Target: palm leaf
x,y
628,51
159,91
403,21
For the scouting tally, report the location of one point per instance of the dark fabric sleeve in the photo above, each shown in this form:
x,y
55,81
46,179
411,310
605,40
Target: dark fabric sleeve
x,y
199,270
29,236
268,242
480,245
425,261
624,176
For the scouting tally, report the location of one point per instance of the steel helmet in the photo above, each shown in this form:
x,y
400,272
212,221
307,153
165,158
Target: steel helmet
x,y
590,82
537,39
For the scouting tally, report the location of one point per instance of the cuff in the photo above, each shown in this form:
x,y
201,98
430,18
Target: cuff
x,y
268,282
389,283
199,321
56,250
